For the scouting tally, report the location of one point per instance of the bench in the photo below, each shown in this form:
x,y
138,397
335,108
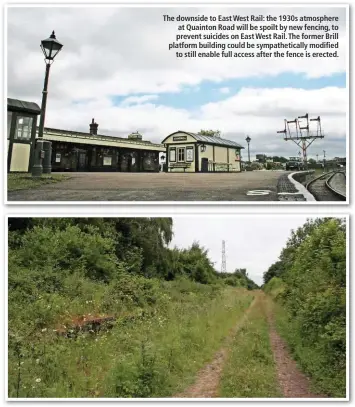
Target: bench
x,y
180,165
219,167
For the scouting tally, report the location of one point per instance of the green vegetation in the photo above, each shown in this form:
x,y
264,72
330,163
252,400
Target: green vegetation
x,y
250,370
238,279
275,288
103,308
212,133
309,281
17,181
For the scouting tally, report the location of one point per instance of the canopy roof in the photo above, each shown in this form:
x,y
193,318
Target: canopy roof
x,y
23,106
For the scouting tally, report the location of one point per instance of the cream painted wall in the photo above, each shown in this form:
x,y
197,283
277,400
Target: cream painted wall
x,y
170,139
20,157
220,154
235,167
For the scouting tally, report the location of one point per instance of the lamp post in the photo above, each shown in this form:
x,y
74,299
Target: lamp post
x,y
43,150
248,141
323,160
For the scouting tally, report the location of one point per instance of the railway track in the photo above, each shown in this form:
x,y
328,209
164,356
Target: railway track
x,y
323,190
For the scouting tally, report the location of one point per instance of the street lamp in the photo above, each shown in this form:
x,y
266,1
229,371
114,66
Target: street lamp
x,y
43,149
248,141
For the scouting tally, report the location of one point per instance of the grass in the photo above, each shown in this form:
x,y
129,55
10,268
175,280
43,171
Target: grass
x,y
153,351
18,181
310,359
250,370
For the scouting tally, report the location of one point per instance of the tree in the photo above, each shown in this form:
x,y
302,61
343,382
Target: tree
x,y
275,270
212,133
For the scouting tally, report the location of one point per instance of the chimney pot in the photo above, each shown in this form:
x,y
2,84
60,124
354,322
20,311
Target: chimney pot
x,y
93,128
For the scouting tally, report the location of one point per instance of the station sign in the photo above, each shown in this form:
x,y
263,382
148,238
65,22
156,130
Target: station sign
x,y
179,138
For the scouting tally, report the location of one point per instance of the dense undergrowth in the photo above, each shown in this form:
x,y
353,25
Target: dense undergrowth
x,y
309,285
169,311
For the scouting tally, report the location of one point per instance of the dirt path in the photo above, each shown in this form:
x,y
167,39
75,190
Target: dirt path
x,y
208,378
293,383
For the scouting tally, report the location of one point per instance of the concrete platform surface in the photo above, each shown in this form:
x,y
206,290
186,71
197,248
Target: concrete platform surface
x,y
157,187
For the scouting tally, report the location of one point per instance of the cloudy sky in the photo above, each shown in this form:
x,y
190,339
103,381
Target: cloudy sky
x,y
252,242
115,66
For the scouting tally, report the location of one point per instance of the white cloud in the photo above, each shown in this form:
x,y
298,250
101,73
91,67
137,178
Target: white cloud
x,y
257,112
224,90
120,51
110,52
136,100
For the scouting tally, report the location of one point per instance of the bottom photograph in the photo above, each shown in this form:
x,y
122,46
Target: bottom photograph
x,y
186,307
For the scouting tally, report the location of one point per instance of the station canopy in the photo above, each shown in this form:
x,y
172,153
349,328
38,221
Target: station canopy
x,y
23,106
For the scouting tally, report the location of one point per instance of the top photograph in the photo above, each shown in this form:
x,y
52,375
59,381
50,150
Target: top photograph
x,y
177,104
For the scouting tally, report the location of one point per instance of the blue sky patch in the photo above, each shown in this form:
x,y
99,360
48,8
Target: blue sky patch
x,y
210,92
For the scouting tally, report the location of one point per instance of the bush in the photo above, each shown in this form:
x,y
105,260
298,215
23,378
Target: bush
x,y
312,287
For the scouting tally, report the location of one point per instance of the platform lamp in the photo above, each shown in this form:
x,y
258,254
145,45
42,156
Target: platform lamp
x,y
43,149
248,139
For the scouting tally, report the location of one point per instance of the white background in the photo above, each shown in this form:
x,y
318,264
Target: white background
x,y
151,210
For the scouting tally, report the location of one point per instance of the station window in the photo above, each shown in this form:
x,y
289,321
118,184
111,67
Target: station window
x,y
172,156
23,128
189,154
181,154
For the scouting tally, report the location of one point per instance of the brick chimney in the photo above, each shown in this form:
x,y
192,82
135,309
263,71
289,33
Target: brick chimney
x,y
93,128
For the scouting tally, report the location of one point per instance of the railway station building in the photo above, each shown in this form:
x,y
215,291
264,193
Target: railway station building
x,y
191,152
72,150
76,151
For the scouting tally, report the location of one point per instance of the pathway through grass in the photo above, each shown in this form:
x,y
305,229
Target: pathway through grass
x,y
253,362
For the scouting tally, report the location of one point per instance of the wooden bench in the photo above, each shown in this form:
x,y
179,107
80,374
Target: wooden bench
x,y
180,165
225,166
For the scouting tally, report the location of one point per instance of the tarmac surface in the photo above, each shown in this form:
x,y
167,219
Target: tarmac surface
x,y
177,187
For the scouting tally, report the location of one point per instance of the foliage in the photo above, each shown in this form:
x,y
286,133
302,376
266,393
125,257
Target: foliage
x,y
312,270
275,270
275,287
212,133
170,309
238,279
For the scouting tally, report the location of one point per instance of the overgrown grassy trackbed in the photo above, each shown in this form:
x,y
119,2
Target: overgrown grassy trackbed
x,y
155,354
